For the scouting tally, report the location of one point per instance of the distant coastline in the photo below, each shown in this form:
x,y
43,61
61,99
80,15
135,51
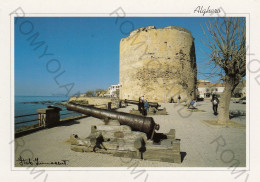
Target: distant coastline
x,y
25,105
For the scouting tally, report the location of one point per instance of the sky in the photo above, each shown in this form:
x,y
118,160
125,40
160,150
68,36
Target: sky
x,y
70,55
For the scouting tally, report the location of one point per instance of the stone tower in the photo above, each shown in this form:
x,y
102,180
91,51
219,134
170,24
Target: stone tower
x,y
158,63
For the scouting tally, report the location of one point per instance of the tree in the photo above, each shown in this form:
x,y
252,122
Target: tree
x,y
226,40
90,93
240,89
100,92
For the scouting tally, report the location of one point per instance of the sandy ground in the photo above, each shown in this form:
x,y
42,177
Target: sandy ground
x,y
202,144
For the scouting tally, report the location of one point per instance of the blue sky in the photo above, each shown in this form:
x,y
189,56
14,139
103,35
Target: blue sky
x,y
85,51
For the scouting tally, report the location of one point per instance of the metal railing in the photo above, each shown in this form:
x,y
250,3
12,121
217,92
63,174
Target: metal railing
x,y
25,115
39,123
26,121
36,114
21,122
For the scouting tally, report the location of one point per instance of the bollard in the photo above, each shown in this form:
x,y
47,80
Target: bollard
x,y
48,116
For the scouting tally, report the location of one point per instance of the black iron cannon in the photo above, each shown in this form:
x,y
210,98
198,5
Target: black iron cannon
x,y
137,123
152,104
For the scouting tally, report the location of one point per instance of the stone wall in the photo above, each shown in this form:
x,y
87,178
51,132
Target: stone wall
x,y
158,63
101,102
92,100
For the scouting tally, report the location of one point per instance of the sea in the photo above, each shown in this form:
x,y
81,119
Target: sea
x,y
25,105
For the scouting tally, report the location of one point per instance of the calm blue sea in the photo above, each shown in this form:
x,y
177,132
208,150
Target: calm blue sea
x,y
29,104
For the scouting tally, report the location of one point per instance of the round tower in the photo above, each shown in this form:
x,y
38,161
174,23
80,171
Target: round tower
x,y
158,64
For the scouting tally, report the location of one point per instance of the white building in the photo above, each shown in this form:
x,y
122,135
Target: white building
x,y
113,90
207,89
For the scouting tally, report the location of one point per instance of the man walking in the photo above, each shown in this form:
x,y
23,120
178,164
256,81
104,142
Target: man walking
x,y
172,100
215,103
179,99
142,107
139,104
146,107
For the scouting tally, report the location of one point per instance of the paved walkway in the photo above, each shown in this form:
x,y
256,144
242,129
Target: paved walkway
x,y
198,141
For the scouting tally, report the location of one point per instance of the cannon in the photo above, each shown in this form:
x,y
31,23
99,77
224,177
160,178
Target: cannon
x,y
126,135
138,123
152,104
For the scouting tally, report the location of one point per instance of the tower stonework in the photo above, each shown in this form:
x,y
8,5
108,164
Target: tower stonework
x,y
158,63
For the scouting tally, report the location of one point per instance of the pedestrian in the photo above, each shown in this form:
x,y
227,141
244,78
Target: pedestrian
x,y
192,104
142,107
146,107
172,100
179,99
139,104
215,103
142,98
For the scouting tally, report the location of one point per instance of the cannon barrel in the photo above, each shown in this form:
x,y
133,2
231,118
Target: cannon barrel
x,y
138,123
152,104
